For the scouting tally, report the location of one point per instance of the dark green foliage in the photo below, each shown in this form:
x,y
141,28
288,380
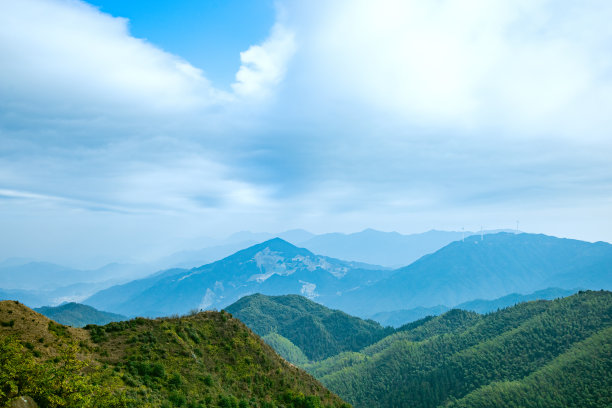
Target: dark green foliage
x,y
316,330
533,354
77,315
58,329
580,378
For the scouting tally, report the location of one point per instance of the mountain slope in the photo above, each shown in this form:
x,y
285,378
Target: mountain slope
x,y
77,315
317,331
513,355
274,267
397,318
483,269
390,249
204,360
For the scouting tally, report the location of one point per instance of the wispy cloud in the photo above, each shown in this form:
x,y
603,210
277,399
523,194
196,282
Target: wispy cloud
x,y
400,115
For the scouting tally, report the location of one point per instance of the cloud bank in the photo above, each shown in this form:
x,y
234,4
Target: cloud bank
x,y
398,115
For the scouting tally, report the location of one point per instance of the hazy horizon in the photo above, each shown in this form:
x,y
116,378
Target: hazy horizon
x,y
134,129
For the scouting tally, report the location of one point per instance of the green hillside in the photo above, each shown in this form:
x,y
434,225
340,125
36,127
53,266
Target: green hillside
x,y
540,354
78,315
316,330
285,348
207,359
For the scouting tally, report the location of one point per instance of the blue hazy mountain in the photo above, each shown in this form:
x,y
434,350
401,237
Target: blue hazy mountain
x,y
37,283
78,315
390,249
295,236
217,250
398,318
274,267
499,265
39,297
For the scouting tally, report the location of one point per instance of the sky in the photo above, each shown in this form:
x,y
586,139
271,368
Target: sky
x,y
129,130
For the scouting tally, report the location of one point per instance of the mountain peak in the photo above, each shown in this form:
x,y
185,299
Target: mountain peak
x,y
280,245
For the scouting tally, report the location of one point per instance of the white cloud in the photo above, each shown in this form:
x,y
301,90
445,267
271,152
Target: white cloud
x,y
264,66
526,68
66,57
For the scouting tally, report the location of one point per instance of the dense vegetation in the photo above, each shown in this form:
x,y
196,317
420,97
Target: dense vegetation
x,y
540,353
316,330
206,359
77,315
286,348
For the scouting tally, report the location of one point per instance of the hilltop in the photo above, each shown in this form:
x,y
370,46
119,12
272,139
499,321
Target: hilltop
x,y
77,315
207,359
319,332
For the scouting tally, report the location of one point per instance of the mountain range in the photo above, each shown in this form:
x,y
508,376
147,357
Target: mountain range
x,y
390,249
486,267
274,267
398,318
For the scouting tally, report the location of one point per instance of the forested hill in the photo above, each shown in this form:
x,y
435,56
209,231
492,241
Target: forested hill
x,y
78,315
541,353
207,359
319,332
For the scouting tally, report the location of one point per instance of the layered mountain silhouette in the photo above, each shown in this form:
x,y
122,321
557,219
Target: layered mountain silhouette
x,y
398,318
486,268
274,267
390,249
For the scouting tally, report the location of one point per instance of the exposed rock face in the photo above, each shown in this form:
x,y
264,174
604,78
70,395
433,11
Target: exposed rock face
x,y
23,402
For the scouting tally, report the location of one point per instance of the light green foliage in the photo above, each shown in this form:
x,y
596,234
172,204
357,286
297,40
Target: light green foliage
x,y
203,360
58,382
286,348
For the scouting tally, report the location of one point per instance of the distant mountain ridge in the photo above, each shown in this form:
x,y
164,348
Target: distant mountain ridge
x,y
498,265
398,318
390,249
274,267
491,266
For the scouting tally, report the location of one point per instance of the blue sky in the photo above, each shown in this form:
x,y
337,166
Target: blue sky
x,y
208,34
130,129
